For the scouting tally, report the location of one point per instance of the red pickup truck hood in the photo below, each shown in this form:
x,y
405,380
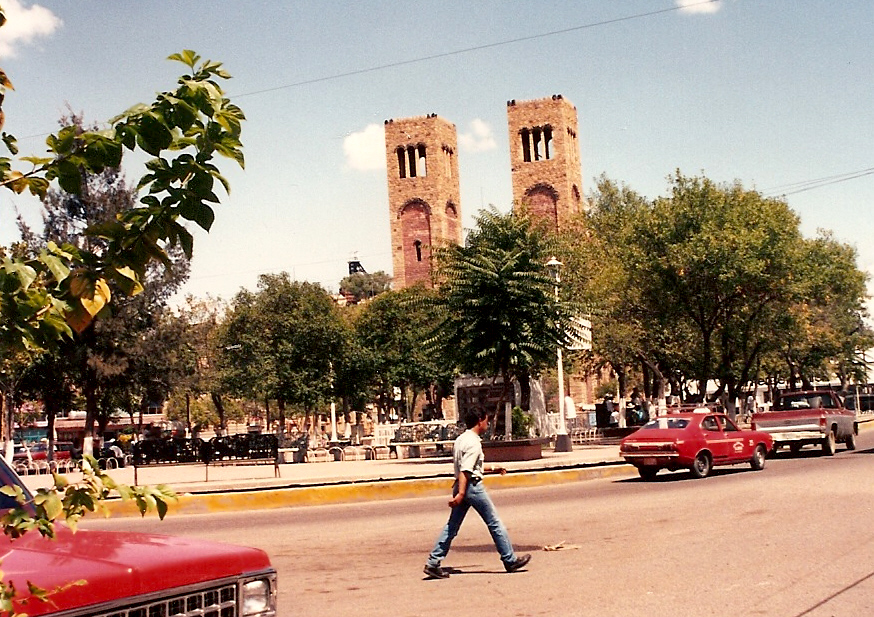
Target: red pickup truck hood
x,y
116,565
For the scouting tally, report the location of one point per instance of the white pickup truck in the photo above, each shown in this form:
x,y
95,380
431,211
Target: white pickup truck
x,y
815,417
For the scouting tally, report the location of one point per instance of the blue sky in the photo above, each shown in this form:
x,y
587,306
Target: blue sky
x,y
775,94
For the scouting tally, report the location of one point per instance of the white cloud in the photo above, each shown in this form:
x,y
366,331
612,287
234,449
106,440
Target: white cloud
x,y
24,24
365,150
478,138
698,6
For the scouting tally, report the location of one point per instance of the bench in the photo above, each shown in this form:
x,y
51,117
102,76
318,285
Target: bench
x,y
413,449
242,449
411,438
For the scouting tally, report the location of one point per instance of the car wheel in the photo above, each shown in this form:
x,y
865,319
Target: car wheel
x,y
647,473
828,444
701,466
758,460
851,441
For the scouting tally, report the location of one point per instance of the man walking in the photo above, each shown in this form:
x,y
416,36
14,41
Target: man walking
x,y
469,492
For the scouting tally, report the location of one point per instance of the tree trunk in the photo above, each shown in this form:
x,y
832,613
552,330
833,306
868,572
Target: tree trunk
x,y
525,391
647,385
280,405
91,410
8,417
219,409
706,360
659,384
622,380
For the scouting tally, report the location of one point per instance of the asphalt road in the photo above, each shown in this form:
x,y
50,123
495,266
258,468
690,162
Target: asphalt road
x,y
795,539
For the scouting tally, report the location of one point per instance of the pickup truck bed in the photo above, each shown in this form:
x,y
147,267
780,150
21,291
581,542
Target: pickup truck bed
x,y
809,418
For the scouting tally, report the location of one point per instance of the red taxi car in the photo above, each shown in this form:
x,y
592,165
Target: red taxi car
x,y
697,441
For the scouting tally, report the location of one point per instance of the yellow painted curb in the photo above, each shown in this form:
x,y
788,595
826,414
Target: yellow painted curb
x,y
352,492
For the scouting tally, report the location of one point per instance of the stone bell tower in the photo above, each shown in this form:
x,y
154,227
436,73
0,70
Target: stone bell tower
x,y
423,193
545,158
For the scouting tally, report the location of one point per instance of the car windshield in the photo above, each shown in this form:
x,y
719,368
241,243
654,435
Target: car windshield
x,y
663,423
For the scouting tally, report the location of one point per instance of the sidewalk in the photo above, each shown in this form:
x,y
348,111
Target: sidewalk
x,y
222,488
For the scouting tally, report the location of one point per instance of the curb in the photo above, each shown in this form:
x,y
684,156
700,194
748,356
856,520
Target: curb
x,y
358,492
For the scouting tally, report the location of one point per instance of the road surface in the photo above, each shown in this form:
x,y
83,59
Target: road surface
x,y
795,539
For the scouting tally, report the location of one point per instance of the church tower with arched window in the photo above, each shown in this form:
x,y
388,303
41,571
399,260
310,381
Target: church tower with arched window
x,y
545,158
423,193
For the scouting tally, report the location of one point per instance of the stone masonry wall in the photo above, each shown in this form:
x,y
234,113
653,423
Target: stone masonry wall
x,y
549,184
423,193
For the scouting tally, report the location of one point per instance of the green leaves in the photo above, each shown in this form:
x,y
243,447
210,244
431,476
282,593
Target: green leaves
x,y
184,129
187,57
495,299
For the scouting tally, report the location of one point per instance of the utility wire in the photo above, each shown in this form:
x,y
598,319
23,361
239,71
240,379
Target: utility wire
x,y
789,189
809,185
467,50
447,54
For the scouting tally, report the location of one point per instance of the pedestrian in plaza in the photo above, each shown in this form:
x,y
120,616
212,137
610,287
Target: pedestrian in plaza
x,y
468,492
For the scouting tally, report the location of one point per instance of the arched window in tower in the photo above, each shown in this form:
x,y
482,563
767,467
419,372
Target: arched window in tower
x,y
418,245
448,152
402,163
411,156
542,203
526,145
453,225
536,143
423,169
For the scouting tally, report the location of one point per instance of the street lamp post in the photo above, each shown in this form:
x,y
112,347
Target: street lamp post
x,y
333,408
562,439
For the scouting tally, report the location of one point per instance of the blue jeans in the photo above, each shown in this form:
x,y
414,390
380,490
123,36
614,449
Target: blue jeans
x,y
477,498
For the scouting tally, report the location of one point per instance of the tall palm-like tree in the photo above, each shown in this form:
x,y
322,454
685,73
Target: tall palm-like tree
x,y
495,301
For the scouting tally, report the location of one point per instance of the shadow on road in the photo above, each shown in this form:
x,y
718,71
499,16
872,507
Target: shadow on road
x,y
683,476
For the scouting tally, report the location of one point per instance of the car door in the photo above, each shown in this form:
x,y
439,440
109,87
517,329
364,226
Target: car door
x,y
715,439
737,448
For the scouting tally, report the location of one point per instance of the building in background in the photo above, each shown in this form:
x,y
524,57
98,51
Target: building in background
x,y
423,193
545,162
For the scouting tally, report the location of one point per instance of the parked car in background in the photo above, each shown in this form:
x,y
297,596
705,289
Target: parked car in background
x,y
132,574
39,452
814,417
695,440
865,403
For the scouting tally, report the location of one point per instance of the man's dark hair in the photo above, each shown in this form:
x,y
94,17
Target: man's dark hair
x,y
474,416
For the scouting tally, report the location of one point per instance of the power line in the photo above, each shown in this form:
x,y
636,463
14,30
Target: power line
x,y
466,50
809,185
447,54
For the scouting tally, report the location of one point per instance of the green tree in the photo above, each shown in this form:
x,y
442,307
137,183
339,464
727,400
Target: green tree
x,y
195,329
281,343
595,249
495,303
716,263
64,287
363,285
121,363
393,328
825,329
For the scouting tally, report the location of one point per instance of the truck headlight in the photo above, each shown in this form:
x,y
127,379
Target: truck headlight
x,y
258,598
